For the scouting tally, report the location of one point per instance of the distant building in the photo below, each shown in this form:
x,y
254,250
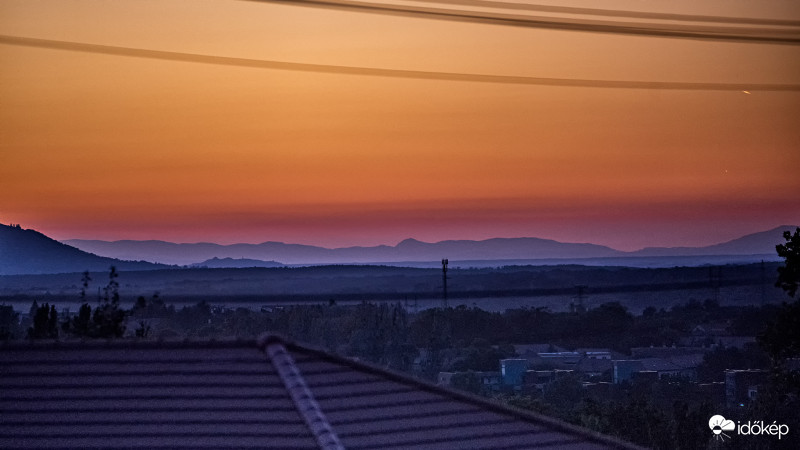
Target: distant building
x,y
594,367
534,381
626,370
444,378
739,342
646,376
672,367
741,386
538,381
563,360
715,335
512,371
600,353
532,350
488,380
666,352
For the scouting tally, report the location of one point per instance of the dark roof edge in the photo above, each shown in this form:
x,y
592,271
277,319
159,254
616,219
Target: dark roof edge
x,y
528,416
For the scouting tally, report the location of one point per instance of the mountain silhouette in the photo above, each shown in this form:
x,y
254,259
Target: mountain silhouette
x,y
761,243
407,250
412,250
25,252
228,263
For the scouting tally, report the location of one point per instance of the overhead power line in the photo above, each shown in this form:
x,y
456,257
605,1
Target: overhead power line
x,y
391,73
616,13
787,36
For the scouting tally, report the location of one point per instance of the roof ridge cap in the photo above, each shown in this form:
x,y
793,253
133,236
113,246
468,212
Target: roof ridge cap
x,y
301,395
519,413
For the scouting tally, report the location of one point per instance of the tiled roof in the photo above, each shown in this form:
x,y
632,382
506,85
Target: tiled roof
x,y
594,365
266,394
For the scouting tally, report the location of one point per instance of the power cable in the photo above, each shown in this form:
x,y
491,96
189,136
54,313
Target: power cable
x,y
390,73
615,13
729,34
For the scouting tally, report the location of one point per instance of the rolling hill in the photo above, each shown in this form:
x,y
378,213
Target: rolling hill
x,y
407,250
30,252
235,263
760,244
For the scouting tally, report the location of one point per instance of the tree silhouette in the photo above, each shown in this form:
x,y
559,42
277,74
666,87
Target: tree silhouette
x,y
107,320
45,323
789,273
781,339
111,291
81,324
143,331
85,285
9,322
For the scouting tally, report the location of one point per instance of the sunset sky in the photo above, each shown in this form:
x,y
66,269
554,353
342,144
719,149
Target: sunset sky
x,y
105,146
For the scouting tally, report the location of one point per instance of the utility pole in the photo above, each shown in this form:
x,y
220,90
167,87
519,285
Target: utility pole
x,y
763,283
444,283
578,301
715,279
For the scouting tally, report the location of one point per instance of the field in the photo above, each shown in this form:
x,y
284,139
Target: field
x,y
491,289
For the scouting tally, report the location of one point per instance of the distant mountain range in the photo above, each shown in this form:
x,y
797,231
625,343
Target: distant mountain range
x,y
30,252
410,250
762,243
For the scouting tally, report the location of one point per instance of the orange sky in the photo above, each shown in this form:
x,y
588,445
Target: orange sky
x,y
111,147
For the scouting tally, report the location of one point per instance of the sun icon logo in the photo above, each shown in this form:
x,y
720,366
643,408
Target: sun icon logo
x,y
719,425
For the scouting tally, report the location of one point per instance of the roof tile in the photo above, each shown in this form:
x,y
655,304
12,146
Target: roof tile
x,y
266,394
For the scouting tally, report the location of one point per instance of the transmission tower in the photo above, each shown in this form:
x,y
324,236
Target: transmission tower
x,y
444,283
578,301
715,280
